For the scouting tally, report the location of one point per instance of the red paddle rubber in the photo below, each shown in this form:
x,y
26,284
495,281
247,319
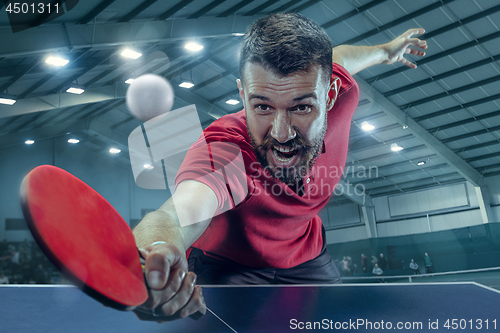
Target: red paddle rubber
x,y
83,236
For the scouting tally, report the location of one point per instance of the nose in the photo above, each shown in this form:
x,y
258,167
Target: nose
x,y
282,130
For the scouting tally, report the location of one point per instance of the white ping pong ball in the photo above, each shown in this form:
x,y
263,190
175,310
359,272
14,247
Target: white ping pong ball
x,y
149,96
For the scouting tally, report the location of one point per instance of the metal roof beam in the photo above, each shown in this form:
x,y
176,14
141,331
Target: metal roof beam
x,y
437,56
62,100
398,21
63,38
457,163
451,92
457,108
137,10
439,31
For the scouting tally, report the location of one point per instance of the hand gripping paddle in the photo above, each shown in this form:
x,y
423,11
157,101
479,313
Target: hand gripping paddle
x,y
84,237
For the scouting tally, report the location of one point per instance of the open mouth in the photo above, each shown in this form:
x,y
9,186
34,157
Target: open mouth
x,y
284,154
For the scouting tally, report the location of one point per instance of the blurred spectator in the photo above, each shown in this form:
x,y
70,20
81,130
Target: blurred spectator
x,y
428,263
26,267
3,247
382,262
3,279
364,262
374,262
41,276
378,271
414,267
25,248
352,266
345,267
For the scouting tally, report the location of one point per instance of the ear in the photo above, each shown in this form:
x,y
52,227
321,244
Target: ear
x,y
333,91
241,92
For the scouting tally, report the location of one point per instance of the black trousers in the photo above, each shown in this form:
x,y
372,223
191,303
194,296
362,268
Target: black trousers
x,y
212,269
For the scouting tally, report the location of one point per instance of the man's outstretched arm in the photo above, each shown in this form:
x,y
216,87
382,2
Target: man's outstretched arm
x,y
356,58
163,237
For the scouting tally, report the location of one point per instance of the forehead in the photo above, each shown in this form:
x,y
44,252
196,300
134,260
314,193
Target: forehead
x,y
256,76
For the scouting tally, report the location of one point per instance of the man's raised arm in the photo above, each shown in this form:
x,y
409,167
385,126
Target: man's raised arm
x,y
356,58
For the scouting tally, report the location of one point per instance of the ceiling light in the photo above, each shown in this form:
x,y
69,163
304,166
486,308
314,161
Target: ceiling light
x,y
114,150
405,126
186,84
75,90
232,102
193,47
129,81
128,53
7,101
395,147
238,34
421,163
366,126
148,166
56,61
73,140
29,142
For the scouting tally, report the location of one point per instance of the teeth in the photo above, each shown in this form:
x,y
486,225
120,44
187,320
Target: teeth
x,y
282,149
281,159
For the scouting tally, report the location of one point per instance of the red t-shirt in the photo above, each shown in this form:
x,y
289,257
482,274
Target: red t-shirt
x,y
260,221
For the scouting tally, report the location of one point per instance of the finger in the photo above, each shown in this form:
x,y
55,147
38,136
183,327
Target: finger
x,y
182,297
407,63
196,307
172,287
412,32
414,52
417,42
158,263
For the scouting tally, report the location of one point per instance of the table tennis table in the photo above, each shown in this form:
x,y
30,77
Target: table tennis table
x,y
427,307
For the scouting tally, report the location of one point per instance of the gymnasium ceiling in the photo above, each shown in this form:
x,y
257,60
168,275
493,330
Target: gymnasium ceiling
x,y
445,113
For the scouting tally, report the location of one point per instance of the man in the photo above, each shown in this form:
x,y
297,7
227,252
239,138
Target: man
x,y
428,263
382,262
293,136
364,262
414,267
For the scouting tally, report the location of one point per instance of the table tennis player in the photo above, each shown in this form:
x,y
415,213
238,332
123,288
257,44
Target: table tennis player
x,y
293,135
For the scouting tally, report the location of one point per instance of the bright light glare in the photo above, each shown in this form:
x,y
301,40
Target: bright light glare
x,y
148,166
232,101
366,126
29,142
186,85
73,140
129,81
7,101
128,53
421,163
114,150
395,147
193,47
56,61
74,90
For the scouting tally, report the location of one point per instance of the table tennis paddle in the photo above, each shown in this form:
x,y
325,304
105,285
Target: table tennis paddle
x,y
84,237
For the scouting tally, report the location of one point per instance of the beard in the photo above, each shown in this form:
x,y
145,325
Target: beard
x,y
308,153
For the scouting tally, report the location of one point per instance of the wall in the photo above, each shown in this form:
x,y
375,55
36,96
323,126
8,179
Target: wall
x,y
98,169
432,210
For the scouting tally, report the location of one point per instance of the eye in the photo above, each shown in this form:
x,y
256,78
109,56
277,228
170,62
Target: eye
x,y
302,108
263,108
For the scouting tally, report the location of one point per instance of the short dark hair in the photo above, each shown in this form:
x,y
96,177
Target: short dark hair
x,y
286,43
